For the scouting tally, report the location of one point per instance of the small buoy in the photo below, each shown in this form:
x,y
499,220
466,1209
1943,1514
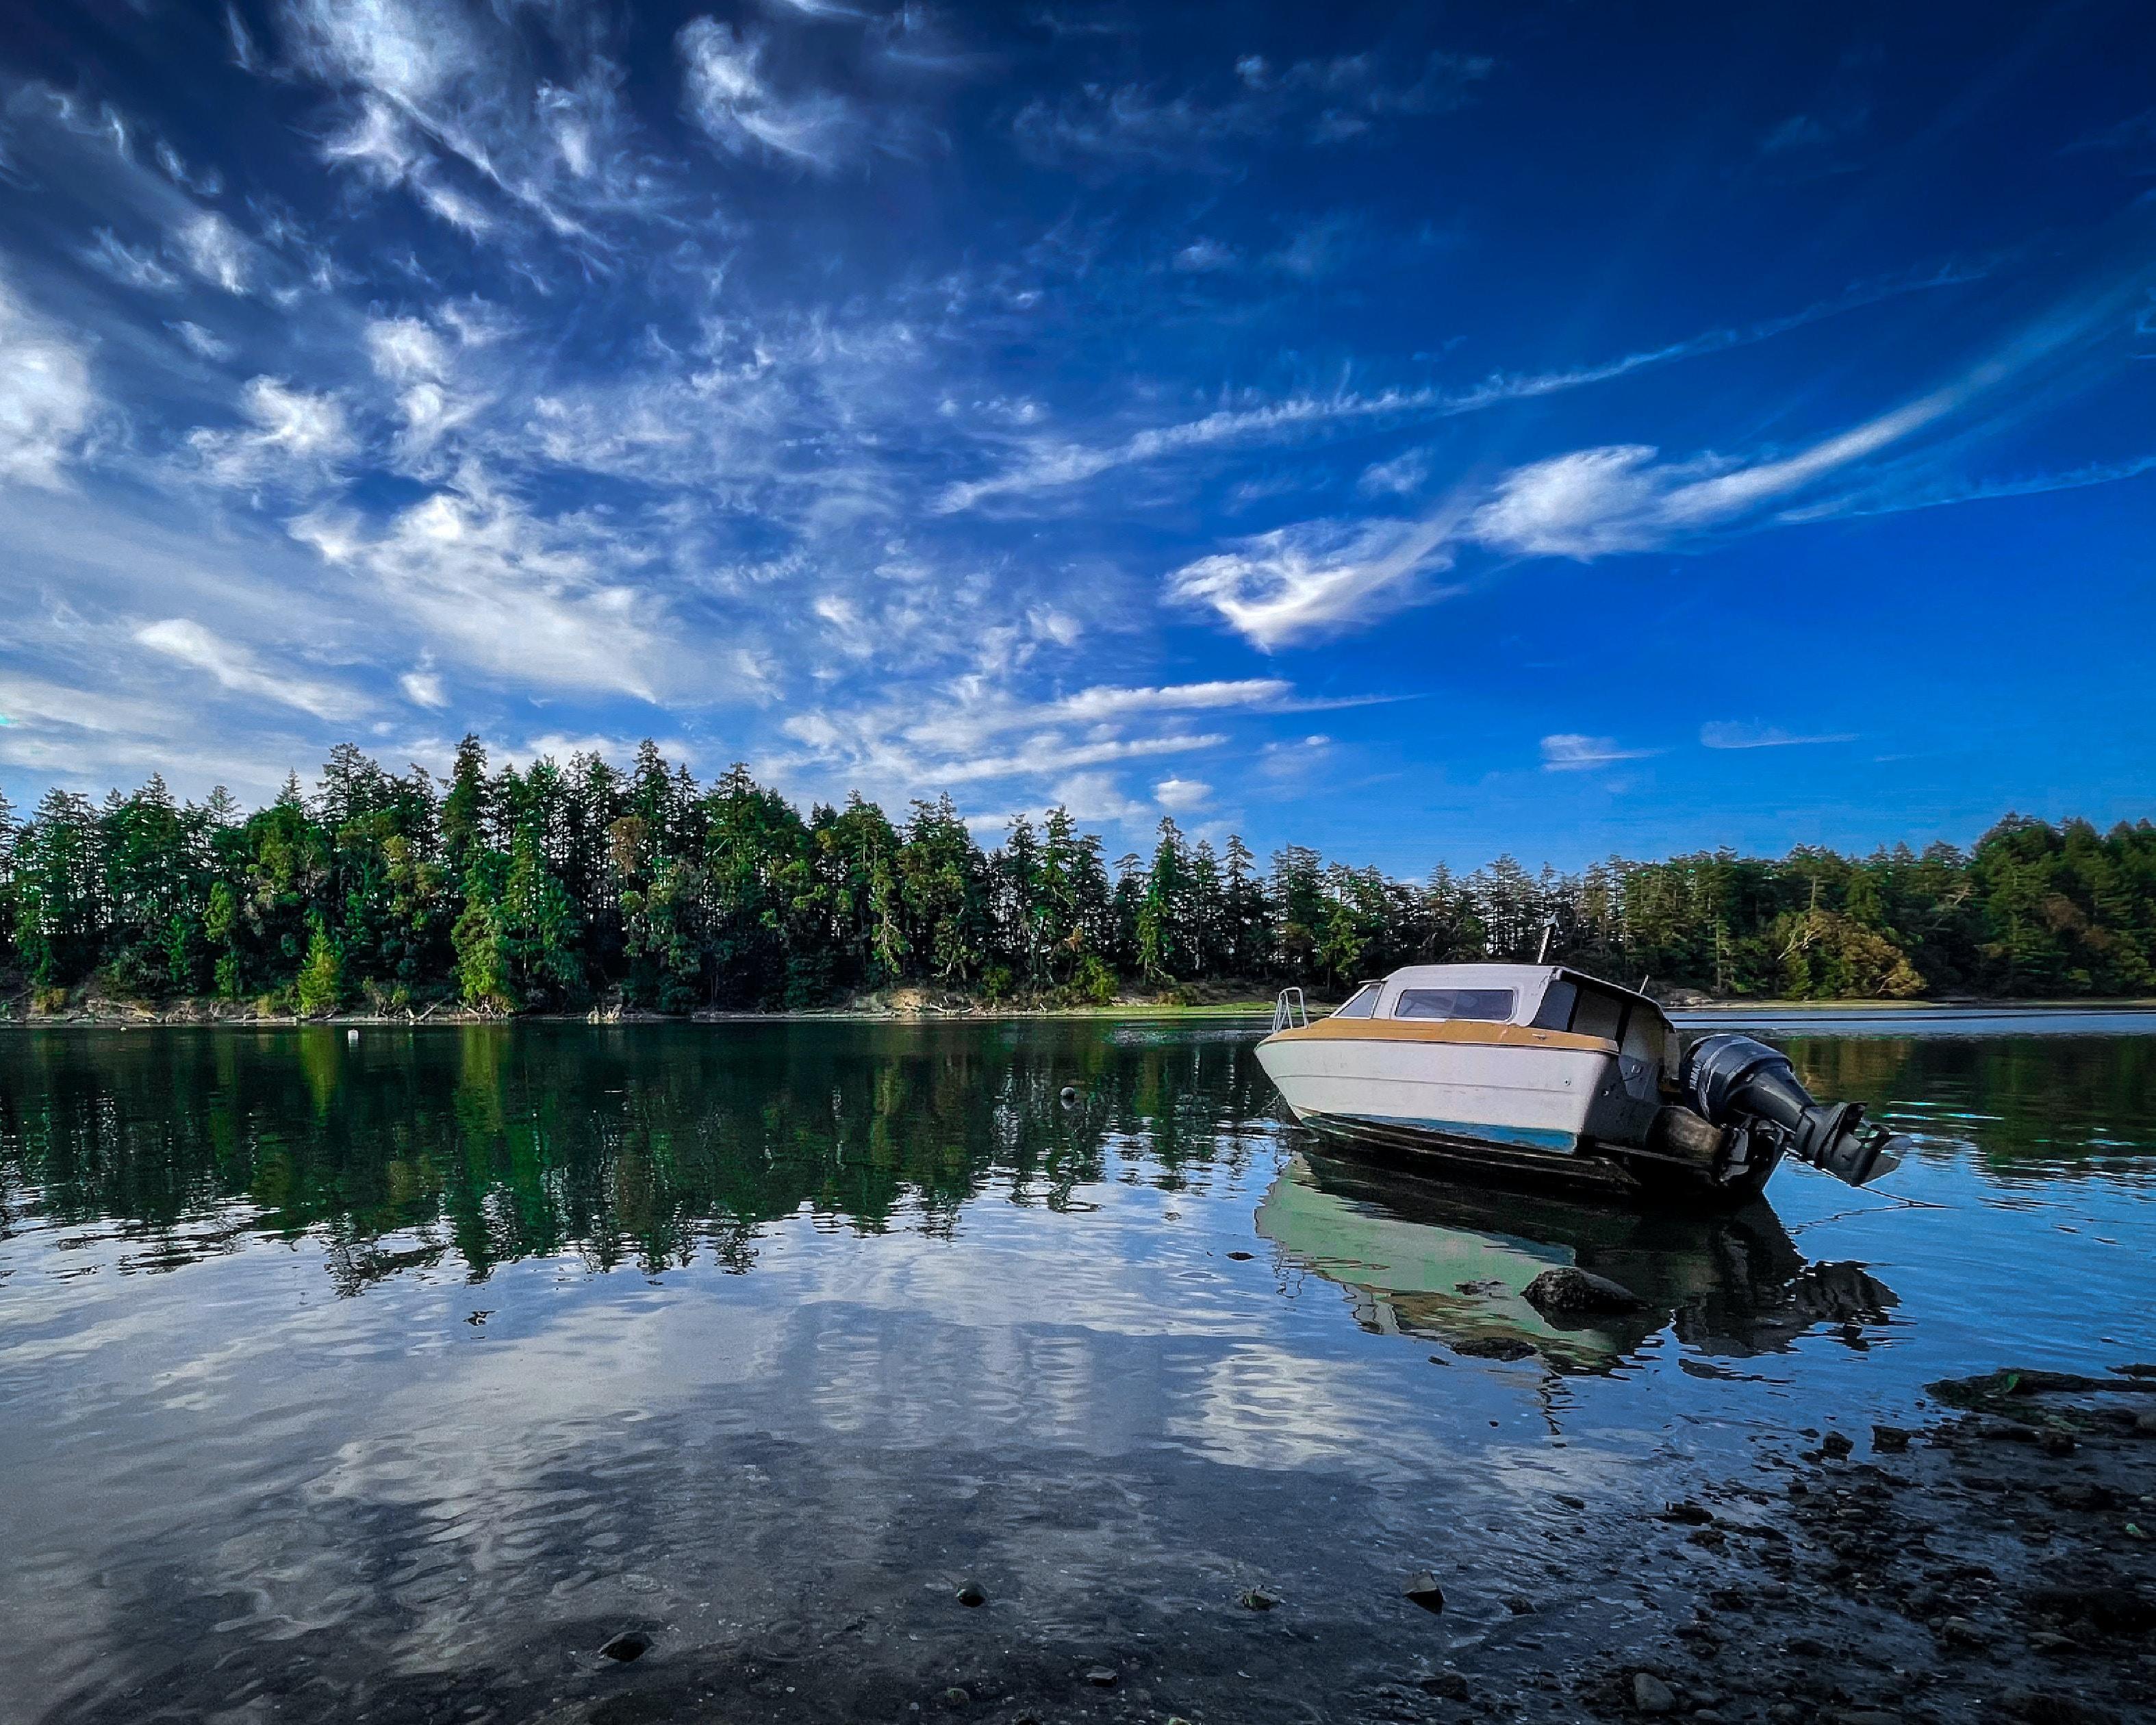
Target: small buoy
x,y
352,1036
1069,1096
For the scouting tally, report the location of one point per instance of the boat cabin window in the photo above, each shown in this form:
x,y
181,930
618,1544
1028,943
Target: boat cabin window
x,y
1360,1005
1490,1005
1555,1013
1600,1014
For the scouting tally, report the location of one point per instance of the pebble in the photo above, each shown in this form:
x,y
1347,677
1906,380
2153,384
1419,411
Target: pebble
x,y
1836,1444
629,1645
1890,1440
972,1595
1651,1695
954,1697
1257,1599
1101,1677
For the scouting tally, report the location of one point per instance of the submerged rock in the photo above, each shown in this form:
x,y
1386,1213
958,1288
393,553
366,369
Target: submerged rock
x,y
1102,1676
1257,1599
1651,1695
1569,1289
972,1595
1890,1440
1494,1347
629,1645
1422,1589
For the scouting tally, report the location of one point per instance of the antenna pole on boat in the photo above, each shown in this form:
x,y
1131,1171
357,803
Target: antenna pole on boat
x,y
1549,928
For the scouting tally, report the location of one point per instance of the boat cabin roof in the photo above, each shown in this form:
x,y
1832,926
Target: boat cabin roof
x,y
1553,996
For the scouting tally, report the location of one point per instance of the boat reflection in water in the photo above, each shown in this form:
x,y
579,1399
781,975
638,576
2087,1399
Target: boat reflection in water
x,y
1449,1263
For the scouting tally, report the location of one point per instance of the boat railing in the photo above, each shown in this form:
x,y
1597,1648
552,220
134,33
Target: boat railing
x,y
1288,1011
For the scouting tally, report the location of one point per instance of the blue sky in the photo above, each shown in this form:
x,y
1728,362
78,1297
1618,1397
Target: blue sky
x,y
1420,431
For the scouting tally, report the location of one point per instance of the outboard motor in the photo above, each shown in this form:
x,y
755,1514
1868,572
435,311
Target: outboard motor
x,y
1743,1084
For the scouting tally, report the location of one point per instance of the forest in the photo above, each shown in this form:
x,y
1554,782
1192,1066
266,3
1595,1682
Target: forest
x,y
565,887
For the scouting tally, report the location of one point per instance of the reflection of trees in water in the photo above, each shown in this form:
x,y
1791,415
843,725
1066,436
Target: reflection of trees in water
x,y
646,1144
2070,1103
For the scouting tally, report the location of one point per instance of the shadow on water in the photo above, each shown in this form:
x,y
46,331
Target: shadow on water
x,y
1448,1263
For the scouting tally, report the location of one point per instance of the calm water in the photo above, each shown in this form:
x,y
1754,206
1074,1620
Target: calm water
x,y
390,1378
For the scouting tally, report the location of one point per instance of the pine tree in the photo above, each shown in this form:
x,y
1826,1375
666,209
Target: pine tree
x,y
321,986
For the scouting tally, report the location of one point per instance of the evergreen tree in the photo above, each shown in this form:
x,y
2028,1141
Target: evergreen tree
x,y
320,985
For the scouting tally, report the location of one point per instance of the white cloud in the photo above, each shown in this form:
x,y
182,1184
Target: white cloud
x,y
1733,734
1400,476
199,342
295,438
1180,795
126,265
1105,701
423,687
215,250
1300,580
46,400
1047,464
1567,752
1204,256
735,107
1096,796
1596,502
239,671
409,50
517,594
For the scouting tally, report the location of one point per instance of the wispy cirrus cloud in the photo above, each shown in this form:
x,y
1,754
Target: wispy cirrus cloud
x,y
1568,751
733,101
1737,734
1047,463
1321,101
46,402
292,438
1296,583
237,669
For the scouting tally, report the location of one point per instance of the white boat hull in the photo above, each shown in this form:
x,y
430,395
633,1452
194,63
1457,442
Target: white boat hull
x,y
1530,1098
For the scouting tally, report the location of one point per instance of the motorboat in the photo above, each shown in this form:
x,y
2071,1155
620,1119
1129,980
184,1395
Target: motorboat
x,y
1542,1072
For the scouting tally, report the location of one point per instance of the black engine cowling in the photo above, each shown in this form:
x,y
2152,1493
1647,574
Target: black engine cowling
x,y
1739,1082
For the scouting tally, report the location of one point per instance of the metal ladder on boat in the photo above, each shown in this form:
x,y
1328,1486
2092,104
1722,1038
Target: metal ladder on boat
x,y
1289,1012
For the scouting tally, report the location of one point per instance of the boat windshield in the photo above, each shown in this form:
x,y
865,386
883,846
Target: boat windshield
x,y
1362,1004
1490,1005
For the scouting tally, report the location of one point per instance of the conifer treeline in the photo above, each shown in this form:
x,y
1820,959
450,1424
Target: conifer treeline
x,y
561,885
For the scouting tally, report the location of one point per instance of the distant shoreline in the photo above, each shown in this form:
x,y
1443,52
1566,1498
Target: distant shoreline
x,y
1692,1014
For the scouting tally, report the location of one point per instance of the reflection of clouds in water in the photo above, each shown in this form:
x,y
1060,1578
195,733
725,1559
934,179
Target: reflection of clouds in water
x,y
1262,1406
